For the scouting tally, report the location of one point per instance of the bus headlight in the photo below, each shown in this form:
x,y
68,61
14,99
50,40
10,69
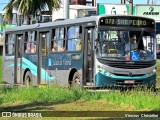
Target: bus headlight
x,y
151,73
154,70
110,74
99,68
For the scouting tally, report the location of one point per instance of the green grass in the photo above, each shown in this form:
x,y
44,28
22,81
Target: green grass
x,y
137,100
158,63
1,69
158,74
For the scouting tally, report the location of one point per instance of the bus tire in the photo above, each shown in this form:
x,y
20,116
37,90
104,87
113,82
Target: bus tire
x,y
28,79
75,82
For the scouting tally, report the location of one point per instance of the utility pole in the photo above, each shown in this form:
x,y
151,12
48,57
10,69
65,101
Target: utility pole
x,y
123,1
94,3
131,7
66,9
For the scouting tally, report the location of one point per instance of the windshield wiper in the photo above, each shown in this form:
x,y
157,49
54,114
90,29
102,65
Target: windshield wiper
x,y
140,37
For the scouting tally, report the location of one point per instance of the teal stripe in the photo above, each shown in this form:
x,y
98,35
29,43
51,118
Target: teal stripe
x,y
33,69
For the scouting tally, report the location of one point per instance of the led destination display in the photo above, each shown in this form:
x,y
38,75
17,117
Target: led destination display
x,y
124,21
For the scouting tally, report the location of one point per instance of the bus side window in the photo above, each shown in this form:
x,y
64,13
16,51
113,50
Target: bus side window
x,y
58,40
30,42
9,43
79,45
27,46
34,48
74,38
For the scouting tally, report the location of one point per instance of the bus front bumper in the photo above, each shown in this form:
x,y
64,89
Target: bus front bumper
x,y
123,81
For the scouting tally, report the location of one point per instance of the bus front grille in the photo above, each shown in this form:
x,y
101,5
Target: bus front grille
x,y
128,74
128,64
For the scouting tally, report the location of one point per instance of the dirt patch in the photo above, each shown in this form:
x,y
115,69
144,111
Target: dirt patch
x,y
93,105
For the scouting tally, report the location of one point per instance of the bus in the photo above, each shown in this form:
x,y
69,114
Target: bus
x,y
89,52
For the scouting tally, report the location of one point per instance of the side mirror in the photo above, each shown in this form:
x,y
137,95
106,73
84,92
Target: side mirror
x,y
97,43
97,40
149,44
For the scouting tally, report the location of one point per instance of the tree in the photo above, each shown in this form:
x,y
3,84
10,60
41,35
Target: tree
x,y
29,8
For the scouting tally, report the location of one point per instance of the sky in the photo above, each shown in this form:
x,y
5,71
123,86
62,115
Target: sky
x,y
4,2
134,1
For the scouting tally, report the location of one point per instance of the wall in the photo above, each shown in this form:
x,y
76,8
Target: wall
x,y
113,9
75,12
151,11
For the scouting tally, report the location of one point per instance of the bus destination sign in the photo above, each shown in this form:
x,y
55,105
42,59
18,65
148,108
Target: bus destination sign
x,y
137,22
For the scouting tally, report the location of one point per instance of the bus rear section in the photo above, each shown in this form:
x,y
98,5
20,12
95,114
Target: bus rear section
x,y
117,64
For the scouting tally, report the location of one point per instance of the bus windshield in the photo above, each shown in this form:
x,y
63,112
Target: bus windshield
x,y
126,45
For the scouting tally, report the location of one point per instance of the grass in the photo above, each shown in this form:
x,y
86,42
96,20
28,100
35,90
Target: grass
x,y
158,63
158,74
114,100
1,70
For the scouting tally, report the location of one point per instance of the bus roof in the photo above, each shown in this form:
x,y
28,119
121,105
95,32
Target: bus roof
x,y
64,22
54,23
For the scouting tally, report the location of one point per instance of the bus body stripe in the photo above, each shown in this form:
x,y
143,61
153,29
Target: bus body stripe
x,y
33,69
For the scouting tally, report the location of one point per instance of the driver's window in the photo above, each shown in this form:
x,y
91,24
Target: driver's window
x,y
148,43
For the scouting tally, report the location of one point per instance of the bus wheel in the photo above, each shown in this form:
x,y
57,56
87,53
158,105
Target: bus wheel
x,y
27,79
75,82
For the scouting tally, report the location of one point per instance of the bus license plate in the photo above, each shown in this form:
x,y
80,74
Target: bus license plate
x,y
129,81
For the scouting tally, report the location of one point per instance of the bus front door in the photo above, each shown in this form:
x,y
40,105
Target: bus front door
x,y
88,57
18,59
43,74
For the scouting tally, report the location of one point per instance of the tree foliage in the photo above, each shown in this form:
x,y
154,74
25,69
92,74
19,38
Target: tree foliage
x,y
30,7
